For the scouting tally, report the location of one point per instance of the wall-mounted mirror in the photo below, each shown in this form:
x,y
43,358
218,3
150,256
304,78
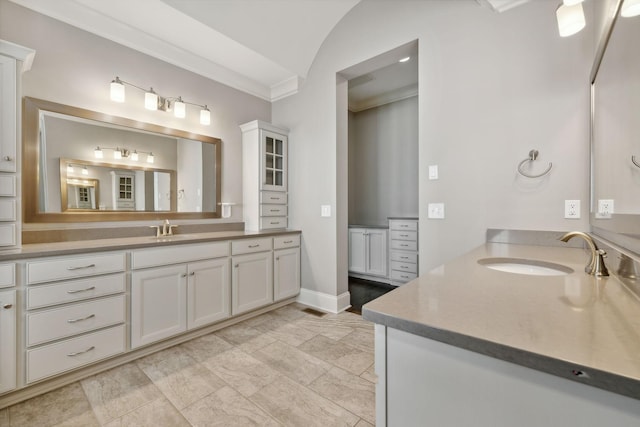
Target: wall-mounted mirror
x,y
615,206
80,165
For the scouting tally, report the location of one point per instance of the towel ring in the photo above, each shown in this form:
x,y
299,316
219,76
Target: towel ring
x,y
635,162
533,154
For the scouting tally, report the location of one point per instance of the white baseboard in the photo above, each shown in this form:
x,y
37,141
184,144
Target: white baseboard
x,y
325,302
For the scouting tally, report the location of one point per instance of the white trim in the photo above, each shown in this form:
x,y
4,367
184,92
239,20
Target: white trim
x,y
385,98
285,88
18,52
325,302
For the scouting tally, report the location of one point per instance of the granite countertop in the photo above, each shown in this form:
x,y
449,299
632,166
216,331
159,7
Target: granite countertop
x,y
555,324
102,245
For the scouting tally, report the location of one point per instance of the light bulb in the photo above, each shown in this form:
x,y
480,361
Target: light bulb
x,y
150,158
205,116
179,108
151,100
69,168
85,171
570,19
117,154
98,153
630,8
134,156
117,90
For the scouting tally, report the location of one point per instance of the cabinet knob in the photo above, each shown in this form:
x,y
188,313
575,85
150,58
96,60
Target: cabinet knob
x,y
183,275
237,265
7,158
193,273
7,306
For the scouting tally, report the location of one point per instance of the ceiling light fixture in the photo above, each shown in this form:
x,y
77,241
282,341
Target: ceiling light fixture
x,y
153,101
630,8
571,2
570,19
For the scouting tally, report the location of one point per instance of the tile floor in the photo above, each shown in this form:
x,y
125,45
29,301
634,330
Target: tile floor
x,y
288,367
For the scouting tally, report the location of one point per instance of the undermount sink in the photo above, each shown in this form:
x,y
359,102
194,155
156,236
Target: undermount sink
x,y
529,267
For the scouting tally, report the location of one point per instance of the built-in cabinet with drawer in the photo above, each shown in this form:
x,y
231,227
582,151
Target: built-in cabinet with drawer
x,y
8,318
75,312
368,252
264,156
252,277
286,267
14,60
403,250
191,292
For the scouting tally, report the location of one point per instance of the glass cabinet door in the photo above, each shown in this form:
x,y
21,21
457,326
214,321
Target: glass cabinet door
x,y
274,150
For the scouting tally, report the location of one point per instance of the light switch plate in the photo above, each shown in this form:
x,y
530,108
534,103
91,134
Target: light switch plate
x,y
436,210
433,172
325,210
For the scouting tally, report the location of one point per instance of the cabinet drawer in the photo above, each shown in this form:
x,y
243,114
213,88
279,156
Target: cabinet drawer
x,y
282,242
407,225
8,185
74,319
74,290
405,245
7,210
273,197
404,235
273,222
404,257
404,266
178,254
7,235
63,356
70,267
402,276
7,275
247,246
273,210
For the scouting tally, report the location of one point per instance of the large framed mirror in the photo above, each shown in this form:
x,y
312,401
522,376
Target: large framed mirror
x,y
80,165
615,133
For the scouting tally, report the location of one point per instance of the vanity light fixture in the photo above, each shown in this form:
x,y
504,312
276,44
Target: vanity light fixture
x,y
98,153
153,101
570,19
69,168
85,171
150,158
123,153
630,8
134,156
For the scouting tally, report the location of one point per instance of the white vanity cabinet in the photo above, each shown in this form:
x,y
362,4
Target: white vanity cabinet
x,y
252,275
7,340
193,292
368,252
75,312
264,180
286,267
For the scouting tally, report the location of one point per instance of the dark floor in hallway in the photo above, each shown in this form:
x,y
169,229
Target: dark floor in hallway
x,y
362,291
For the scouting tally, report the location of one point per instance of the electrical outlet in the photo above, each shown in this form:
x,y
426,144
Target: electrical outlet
x,y
605,207
436,210
572,209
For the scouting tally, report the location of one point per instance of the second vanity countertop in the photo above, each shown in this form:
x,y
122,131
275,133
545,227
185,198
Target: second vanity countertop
x,y
102,245
555,324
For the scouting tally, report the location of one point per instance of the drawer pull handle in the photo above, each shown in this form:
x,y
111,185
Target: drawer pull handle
x,y
403,266
404,277
404,225
274,210
274,198
7,306
78,353
80,319
75,291
404,257
81,267
254,246
404,235
404,245
288,241
274,222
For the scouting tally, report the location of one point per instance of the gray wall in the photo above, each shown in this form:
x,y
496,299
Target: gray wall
x,y
492,87
75,67
383,162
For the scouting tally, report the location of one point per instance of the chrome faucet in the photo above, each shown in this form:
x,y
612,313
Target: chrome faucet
x,y
166,229
596,266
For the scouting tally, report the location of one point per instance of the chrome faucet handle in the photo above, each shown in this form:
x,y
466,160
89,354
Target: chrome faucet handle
x,y
157,227
599,268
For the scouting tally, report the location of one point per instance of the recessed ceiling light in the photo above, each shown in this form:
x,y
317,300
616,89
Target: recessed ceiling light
x,y
405,59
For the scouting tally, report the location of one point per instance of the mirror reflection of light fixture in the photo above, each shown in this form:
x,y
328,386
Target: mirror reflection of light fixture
x,y
85,171
630,8
123,153
98,153
570,19
134,156
150,158
69,168
153,101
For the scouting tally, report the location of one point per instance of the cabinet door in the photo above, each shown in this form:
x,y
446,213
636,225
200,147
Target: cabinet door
x,y
286,273
357,250
273,148
158,304
377,252
7,340
208,292
8,121
251,281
